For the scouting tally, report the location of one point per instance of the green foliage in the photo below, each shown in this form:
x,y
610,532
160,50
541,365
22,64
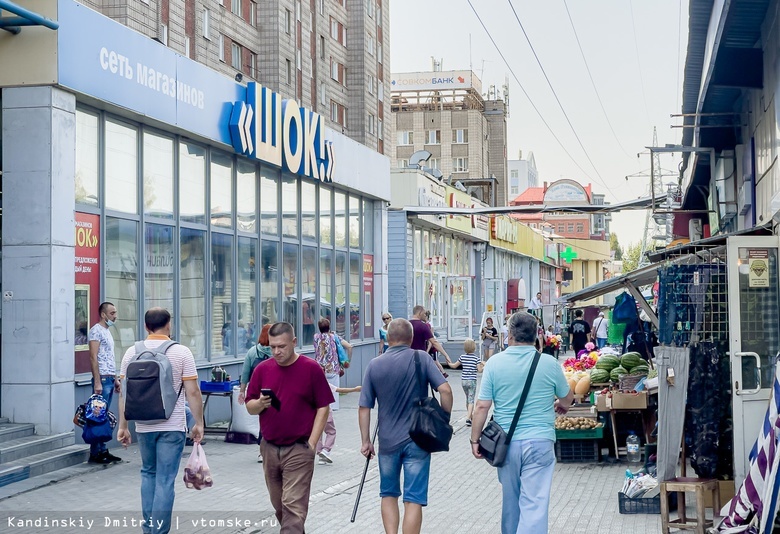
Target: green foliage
x,y
631,257
615,246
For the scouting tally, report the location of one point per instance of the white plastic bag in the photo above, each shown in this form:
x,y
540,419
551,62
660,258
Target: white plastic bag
x,y
197,474
242,421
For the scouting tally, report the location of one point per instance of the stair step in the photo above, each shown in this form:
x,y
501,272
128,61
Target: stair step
x,y
4,420
19,448
11,431
41,463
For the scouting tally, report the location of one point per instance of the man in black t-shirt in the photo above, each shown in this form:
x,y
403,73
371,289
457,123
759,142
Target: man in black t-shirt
x,y
578,332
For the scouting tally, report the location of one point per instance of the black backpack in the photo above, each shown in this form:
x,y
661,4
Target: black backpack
x,y
148,385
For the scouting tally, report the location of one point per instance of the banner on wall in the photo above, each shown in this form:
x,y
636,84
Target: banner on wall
x,y
87,274
368,296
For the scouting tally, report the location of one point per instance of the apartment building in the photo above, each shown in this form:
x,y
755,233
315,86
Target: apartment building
x,y
522,174
329,55
445,113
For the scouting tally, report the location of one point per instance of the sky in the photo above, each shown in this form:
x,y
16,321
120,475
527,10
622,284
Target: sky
x,y
635,50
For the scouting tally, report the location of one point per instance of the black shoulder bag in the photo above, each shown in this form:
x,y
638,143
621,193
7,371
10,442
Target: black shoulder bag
x,y
430,429
494,442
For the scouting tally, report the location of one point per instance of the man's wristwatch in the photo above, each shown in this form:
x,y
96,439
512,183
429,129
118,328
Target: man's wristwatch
x,y
474,442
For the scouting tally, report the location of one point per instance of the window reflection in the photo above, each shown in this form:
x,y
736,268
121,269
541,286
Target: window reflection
x,y
192,318
245,292
326,287
121,168
325,219
223,317
269,202
221,190
122,281
354,222
86,158
368,225
340,228
308,210
158,176
192,183
246,198
269,288
355,282
290,285
289,205
308,294
159,268
341,292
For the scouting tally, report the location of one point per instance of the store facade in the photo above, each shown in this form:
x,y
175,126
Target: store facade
x,y
166,184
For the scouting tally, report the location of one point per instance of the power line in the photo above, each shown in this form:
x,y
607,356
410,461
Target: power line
x,y
593,83
517,80
639,62
587,155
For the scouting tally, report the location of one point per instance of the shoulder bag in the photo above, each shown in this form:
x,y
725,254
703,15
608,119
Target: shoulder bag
x,y
494,442
430,429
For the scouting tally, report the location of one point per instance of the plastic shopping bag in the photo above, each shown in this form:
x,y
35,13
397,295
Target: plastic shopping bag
x,y
197,474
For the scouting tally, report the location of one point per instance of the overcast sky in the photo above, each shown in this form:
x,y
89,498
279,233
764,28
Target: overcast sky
x,y
634,66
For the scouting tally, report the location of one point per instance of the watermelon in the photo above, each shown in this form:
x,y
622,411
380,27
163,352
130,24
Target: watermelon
x,y
617,372
640,370
631,360
599,376
607,363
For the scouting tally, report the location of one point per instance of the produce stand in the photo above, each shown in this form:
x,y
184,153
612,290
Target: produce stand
x,y
577,445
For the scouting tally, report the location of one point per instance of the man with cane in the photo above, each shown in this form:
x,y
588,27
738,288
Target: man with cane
x,y
391,380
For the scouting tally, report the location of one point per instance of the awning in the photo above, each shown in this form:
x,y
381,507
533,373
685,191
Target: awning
x,y
706,243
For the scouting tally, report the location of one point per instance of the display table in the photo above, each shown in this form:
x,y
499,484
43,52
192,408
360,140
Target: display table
x,y
217,389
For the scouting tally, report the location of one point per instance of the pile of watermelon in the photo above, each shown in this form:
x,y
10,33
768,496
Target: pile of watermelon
x,y
610,368
634,364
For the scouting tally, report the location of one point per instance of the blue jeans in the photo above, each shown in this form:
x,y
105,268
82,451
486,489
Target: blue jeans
x,y
526,479
160,457
108,393
416,465
600,342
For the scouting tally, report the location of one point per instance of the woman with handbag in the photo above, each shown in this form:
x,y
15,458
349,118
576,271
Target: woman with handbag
x,y
333,355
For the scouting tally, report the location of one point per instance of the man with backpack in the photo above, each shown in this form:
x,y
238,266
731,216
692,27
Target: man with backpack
x,y
154,373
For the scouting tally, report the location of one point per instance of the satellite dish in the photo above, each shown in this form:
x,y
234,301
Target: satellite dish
x,y
419,157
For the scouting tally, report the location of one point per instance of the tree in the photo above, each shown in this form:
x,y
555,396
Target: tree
x,y
631,257
615,246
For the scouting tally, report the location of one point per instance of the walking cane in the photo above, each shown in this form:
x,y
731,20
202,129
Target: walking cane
x,y
363,479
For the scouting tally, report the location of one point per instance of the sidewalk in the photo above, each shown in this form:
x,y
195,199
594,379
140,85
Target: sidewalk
x,y
464,495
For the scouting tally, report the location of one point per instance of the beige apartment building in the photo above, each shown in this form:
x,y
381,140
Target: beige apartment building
x,y
332,56
445,113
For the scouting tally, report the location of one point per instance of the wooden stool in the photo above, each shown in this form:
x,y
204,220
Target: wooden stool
x,y
681,485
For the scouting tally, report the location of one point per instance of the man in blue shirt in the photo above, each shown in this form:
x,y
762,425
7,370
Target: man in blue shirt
x,y
526,476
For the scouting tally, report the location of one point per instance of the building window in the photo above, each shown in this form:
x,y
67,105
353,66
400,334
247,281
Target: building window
x,y
298,59
405,138
235,56
570,227
460,136
235,7
122,277
371,120
379,52
287,21
338,72
158,175
403,163
514,173
87,158
370,44
334,111
298,10
288,64
370,84
187,47
514,191
434,137
434,163
560,228
379,129
121,167
206,23
460,164
322,7
381,91
323,94
580,228
338,31
378,15
221,47
253,65
322,47
371,7
253,13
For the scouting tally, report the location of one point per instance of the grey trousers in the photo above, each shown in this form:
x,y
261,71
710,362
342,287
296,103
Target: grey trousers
x,y
671,403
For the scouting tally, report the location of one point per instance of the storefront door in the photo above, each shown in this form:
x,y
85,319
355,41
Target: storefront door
x,y
494,298
459,307
754,333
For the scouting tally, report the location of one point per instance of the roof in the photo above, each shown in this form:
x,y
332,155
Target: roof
x,y
528,216
709,242
532,194
639,277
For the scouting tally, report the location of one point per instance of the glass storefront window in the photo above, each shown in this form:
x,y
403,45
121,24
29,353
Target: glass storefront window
x,y
340,228
246,198
158,176
368,225
87,158
416,249
308,294
221,190
121,168
159,268
354,222
355,284
326,288
308,210
121,266
192,272
289,206
245,293
223,318
291,286
326,216
269,201
269,288
341,293
192,183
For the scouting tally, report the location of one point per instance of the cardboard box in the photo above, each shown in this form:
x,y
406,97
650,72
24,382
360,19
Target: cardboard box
x,y
727,491
601,403
627,401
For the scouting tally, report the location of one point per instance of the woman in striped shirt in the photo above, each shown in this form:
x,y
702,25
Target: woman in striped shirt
x,y
468,378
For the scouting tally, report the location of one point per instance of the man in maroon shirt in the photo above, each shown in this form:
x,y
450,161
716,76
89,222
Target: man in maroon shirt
x,y
292,426
423,333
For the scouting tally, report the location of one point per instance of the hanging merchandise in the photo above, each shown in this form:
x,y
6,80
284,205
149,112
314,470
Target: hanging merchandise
x,y
625,309
615,330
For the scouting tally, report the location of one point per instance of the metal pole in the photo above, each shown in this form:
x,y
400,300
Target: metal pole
x,y
363,478
30,15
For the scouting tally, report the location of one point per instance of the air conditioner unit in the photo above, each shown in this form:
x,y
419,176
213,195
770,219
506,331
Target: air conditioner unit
x,y
745,197
695,229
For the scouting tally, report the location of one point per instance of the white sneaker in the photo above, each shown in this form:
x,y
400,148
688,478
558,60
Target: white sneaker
x,y
322,462
260,458
325,457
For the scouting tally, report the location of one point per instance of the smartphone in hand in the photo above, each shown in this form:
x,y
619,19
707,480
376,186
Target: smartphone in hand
x,y
275,402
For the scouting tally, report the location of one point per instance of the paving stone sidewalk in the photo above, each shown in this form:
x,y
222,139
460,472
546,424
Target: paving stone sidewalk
x,y
464,493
